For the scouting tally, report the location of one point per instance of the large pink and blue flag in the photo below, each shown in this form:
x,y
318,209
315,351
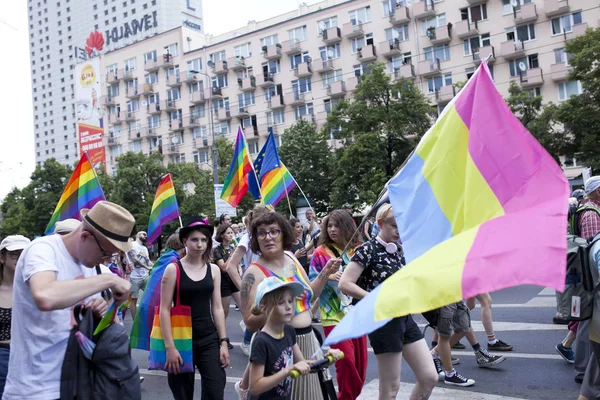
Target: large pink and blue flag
x,y
480,206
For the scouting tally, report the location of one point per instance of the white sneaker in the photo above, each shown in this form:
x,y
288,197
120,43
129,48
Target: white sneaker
x,y
245,348
242,393
243,326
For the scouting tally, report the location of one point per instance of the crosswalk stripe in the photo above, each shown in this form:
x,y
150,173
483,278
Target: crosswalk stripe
x,y
230,379
371,392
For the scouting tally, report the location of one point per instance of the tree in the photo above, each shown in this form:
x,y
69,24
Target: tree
x,y
392,116
308,157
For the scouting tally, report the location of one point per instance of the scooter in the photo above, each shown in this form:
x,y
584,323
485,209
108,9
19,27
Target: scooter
x,y
319,367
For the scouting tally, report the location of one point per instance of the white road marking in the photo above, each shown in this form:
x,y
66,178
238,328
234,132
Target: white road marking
x,y
547,292
371,392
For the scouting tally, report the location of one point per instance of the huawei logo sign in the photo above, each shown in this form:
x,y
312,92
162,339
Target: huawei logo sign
x,y
94,42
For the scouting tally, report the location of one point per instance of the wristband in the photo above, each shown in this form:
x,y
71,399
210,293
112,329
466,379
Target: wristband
x,y
225,339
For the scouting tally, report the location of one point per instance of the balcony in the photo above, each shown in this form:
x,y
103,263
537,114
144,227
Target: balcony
x,y
352,31
201,142
135,134
560,72
106,101
465,29
151,66
483,53
423,9
367,54
321,66
132,92
126,74
192,122
169,105
114,119
476,2
332,35
578,30
276,102
272,52
336,89
152,131
265,81
295,99
220,67
197,97
528,14
406,71
310,118
352,83
291,47
445,94
223,114
400,16
112,77
242,112
236,63
512,49
176,125
216,93
440,35
129,116
532,77
429,68
250,132
390,48
171,149
554,8
153,109
247,84
166,61
112,141
173,80
147,89
190,77
303,70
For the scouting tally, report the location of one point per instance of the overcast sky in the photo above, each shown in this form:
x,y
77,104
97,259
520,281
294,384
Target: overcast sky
x,y
17,158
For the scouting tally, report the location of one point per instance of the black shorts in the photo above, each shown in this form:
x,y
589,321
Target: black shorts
x,y
227,285
392,337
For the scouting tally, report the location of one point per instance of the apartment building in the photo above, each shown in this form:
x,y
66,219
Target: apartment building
x,y
269,74
59,31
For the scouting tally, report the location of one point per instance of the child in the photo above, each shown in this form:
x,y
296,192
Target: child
x,y
274,349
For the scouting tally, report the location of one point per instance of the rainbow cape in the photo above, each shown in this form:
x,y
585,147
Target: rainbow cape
x,y
240,172
164,208
480,206
142,325
82,191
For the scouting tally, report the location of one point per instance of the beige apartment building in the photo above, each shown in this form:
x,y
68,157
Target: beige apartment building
x,y
175,91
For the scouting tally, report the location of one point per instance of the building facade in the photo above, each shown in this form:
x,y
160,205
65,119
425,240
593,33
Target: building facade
x,y
59,30
296,66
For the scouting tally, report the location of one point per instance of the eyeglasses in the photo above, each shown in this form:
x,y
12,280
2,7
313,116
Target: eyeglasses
x,y
273,233
105,254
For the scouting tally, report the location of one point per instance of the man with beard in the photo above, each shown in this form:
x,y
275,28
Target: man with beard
x,y
140,259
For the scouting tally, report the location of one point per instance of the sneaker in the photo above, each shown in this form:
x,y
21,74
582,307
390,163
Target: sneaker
x,y
242,394
455,360
560,320
458,346
486,360
567,354
245,348
141,379
229,346
458,380
243,325
438,367
499,346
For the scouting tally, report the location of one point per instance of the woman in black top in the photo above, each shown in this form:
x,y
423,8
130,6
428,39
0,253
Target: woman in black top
x,y
200,288
299,246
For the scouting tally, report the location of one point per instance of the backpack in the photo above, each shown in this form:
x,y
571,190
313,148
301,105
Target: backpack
x,y
575,303
110,374
575,212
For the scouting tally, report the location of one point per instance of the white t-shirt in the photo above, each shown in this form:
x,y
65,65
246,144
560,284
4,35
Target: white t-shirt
x,y
140,251
249,256
39,338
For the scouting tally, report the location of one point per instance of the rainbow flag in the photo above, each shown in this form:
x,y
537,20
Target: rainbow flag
x,y
236,182
462,204
82,191
275,179
164,208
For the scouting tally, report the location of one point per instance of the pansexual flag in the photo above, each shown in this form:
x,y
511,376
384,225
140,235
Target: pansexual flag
x,y
164,208
480,206
82,191
275,179
240,172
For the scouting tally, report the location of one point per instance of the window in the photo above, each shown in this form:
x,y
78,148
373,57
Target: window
x,y
327,23
269,41
275,118
440,52
508,7
253,147
523,33
243,50
529,62
135,146
561,56
222,128
246,99
472,45
301,111
302,86
133,105
198,111
330,52
399,33
195,65
111,68
150,56
330,77
398,61
361,42
330,105
199,132
565,23
389,7
436,22
172,49
130,64
133,127
223,103
475,13
434,84
154,121
219,81
534,92
298,59
360,16
174,94
297,34
271,67
112,91
200,156
566,90
220,56
115,151
151,78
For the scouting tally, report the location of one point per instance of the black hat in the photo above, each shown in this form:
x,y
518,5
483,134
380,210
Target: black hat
x,y
196,222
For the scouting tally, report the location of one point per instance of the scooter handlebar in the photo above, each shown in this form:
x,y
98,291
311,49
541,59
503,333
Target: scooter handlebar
x,y
317,365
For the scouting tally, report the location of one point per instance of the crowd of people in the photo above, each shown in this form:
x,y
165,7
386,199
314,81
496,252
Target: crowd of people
x,y
283,276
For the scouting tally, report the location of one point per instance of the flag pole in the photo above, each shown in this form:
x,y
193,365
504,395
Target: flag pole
x,y
258,182
286,191
301,191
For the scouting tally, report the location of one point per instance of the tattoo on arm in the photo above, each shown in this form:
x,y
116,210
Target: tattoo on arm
x,y
247,284
322,275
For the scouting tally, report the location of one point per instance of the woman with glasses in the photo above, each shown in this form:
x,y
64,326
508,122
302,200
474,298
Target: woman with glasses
x,y
10,250
272,236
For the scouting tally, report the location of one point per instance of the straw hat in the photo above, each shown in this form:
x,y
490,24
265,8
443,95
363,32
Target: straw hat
x,y
66,226
111,221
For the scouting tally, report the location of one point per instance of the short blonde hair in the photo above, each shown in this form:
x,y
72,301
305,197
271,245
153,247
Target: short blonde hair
x,y
385,213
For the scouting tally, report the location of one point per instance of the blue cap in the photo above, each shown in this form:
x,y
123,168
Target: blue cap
x,y
271,284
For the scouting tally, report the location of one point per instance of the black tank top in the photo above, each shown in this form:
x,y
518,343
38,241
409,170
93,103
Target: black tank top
x,y
197,295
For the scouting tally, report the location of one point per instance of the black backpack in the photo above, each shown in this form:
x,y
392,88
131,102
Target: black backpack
x,y
575,212
110,374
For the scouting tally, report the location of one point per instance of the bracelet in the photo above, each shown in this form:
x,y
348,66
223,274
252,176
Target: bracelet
x,y
225,339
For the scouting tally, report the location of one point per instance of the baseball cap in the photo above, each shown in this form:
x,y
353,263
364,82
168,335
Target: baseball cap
x,y
14,242
271,284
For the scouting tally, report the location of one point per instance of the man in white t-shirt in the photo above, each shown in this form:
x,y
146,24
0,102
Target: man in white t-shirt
x,y
53,274
140,258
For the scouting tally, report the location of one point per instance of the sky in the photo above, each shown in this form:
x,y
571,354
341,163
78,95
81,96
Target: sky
x,y
17,157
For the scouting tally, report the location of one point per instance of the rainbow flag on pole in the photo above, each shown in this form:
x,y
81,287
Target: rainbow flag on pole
x,y
164,208
236,182
82,191
275,179
461,202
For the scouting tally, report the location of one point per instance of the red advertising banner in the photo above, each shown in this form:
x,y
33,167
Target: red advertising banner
x,y
90,140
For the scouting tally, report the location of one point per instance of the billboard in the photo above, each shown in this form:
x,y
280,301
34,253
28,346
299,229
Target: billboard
x,y
221,206
89,112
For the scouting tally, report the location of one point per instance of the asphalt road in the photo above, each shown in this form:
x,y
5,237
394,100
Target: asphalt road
x,y
522,316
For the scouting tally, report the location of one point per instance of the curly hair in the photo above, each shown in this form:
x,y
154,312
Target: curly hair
x,y
269,218
347,229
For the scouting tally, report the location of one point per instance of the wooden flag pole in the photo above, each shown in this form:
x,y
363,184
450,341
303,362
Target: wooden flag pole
x,y
286,191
